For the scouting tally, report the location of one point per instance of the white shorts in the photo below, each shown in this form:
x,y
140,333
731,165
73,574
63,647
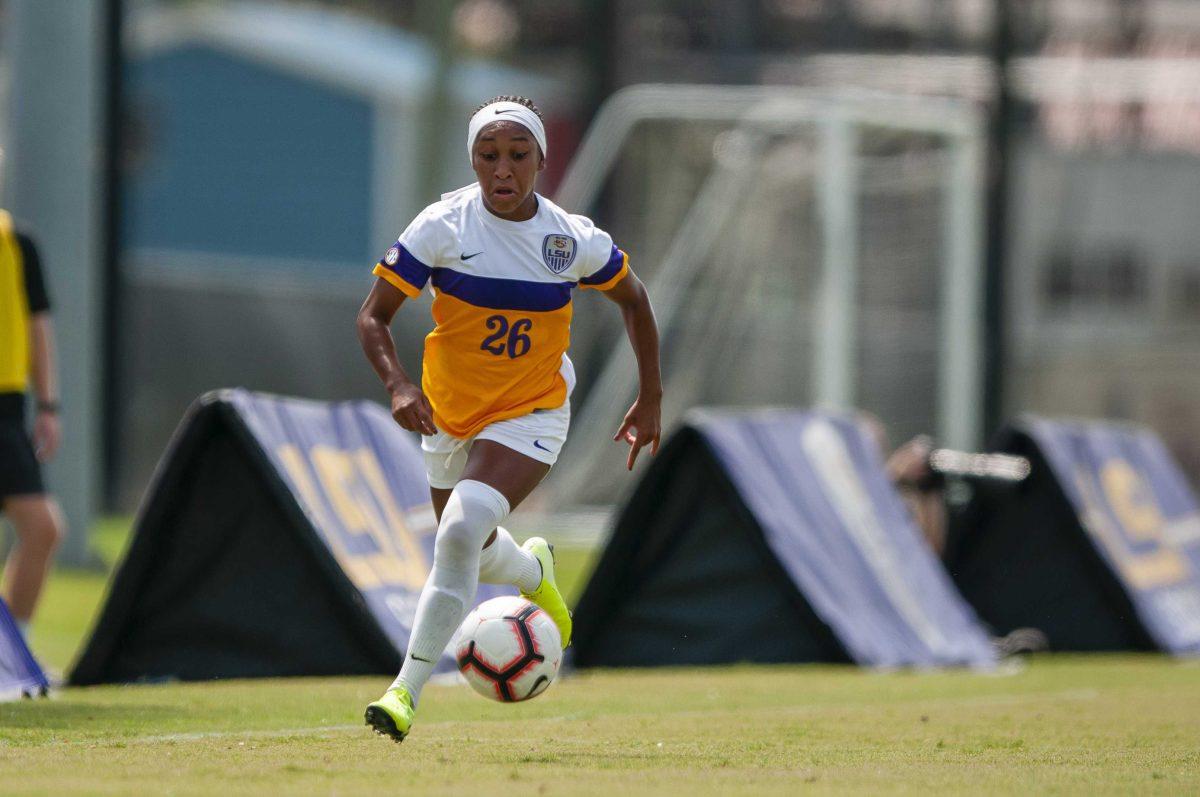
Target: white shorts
x,y
539,435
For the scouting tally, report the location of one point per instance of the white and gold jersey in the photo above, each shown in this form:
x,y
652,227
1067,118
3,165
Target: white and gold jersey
x,y
502,306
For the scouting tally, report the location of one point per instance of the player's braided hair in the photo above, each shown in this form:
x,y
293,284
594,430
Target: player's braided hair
x,y
528,103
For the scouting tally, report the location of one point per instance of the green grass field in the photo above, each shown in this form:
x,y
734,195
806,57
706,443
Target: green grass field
x,y
1080,725
1061,724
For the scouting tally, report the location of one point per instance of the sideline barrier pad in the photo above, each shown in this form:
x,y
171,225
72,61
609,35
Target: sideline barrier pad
x,y
1099,548
279,537
20,673
771,536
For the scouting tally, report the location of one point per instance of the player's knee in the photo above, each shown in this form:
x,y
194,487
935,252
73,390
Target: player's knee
x,y
471,514
453,543
50,532
39,525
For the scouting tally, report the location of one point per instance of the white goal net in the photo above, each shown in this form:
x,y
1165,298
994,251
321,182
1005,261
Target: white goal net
x,y
799,248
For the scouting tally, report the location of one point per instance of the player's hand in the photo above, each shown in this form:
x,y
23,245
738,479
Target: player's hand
x,y
909,463
47,433
412,410
642,427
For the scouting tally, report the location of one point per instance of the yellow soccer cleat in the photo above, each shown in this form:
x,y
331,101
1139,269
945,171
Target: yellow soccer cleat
x,y
392,715
547,595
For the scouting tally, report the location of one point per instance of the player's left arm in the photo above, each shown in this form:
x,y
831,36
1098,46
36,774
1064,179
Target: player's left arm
x,y
643,423
47,432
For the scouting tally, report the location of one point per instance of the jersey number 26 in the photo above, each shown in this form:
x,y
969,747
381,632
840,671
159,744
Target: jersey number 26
x,y
517,342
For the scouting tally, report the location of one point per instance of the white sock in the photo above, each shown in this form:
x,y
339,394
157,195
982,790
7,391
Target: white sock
x,y
472,511
505,562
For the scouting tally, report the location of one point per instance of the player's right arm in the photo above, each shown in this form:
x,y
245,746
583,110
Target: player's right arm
x,y
410,408
403,272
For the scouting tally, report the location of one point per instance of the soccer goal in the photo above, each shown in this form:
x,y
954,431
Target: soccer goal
x,y
800,247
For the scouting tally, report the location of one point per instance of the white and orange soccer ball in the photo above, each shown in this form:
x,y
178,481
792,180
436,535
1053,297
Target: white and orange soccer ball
x,y
508,649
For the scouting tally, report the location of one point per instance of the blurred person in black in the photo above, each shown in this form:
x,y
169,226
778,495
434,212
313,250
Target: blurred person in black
x,y
909,471
908,468
26,361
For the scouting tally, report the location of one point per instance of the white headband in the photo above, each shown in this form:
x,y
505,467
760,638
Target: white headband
x,y
506,112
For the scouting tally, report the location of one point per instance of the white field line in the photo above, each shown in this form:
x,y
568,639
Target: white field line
x,y
975,700
252,734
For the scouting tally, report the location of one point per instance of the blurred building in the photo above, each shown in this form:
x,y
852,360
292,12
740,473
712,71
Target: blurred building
x,y
285,134
273,152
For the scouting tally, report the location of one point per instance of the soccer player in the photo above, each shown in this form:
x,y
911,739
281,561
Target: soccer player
x,y
493,402
26,357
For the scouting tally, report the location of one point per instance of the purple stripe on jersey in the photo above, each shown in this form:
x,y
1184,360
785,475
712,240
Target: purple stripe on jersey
x,y
502,294
608,270
407,267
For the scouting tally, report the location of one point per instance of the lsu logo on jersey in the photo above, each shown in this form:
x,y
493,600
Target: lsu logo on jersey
x,y
559,252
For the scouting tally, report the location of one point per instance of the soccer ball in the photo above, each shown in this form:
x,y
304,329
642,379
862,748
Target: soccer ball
x,y
508,649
